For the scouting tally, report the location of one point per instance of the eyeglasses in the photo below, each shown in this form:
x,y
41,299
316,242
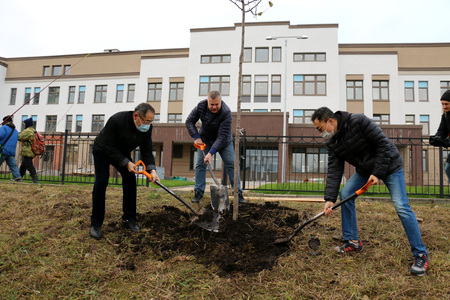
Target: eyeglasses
x,y
320,129
146,122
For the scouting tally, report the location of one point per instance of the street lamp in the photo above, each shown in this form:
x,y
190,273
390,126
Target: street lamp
x,y
283,154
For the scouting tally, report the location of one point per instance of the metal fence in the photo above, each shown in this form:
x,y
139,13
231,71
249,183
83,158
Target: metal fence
x,y
68,159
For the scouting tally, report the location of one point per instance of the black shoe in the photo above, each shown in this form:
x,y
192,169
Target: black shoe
x,y
130,225
420,265
197,197
96,233
18,179
242,200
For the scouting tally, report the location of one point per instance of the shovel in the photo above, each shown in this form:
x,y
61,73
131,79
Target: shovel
x,y
220,201
208,220
285,240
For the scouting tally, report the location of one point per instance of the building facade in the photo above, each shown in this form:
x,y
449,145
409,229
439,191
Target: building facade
x,y
398,85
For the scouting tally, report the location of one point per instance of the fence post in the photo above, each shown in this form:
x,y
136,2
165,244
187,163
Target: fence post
x,y
441,173
66,134
244,158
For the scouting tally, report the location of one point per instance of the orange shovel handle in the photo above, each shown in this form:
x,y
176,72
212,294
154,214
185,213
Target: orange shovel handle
x,y
201,146
140,162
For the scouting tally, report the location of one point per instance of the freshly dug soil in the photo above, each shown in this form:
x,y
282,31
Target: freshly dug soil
x,y
244,246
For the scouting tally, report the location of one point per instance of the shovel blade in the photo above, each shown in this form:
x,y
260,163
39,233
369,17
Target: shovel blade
x,y
220,202
209,220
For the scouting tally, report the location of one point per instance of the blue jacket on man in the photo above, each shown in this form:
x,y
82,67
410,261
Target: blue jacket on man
x,y
10,147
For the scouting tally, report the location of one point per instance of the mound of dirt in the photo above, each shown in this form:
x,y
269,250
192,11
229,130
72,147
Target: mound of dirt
x,y
245,245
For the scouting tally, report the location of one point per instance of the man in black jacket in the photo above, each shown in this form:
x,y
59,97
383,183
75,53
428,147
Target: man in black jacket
x,y
358,140
441,138
123,132
215,133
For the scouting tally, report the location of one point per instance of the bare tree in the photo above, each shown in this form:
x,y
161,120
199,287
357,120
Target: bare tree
x,y
246,6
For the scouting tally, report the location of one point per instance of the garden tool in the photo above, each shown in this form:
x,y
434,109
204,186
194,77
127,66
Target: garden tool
x,y
208,219
220,201
285,240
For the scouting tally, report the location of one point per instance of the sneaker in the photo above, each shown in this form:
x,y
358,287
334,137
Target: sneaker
x,y
349,246
96,232
130,225
18,179
197,197
420,265
242,200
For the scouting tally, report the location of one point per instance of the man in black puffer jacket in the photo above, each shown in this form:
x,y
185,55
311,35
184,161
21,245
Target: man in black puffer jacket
x,y
215,133
358,140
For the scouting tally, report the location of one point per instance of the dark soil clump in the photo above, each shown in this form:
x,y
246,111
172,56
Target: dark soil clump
x,y
244,246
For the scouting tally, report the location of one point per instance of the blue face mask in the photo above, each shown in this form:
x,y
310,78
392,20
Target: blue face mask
x,y
143,128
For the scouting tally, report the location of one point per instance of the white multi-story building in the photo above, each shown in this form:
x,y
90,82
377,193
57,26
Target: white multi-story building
x,y
395,84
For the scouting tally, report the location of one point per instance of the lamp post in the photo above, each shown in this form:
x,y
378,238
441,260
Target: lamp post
x,y
283,154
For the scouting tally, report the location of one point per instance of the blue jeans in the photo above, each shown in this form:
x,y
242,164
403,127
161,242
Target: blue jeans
x,y
11,162
396,186
227,155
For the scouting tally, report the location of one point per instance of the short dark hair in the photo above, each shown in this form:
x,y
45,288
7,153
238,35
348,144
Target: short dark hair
x,y
143,108
213,94
322,114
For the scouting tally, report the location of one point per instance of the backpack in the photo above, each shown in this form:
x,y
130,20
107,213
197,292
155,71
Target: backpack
x,y
38,145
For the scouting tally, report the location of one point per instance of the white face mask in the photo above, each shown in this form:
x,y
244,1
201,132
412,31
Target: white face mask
x,y
327,135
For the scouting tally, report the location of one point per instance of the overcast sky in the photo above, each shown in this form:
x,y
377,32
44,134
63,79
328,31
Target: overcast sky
x,y
53,27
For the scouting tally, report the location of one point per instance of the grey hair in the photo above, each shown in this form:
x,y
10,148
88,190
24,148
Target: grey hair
x,y
143,108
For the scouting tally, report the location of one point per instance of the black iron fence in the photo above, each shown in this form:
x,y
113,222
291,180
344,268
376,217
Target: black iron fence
x,y
68,159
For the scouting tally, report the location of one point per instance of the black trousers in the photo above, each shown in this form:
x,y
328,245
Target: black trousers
x,y
27,164
102,163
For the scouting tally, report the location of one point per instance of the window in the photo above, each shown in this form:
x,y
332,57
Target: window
x,y
66,69
410,119
119,93
56,70
381,119
216,160
247,55
425,121
100,93
380,90
177,151
423,90
409,91
425,160
154,92
445,85
27,96
176,91
355,90
262,54
156,118
12,99
310,57
276,54
37,93
215,59
34,118
131,90
98,121
246,88
214,83
71,98
174,118
50,123
81,93
72,154
24,117
69,119
46,71
276,89
261,88
275,110
311,85
260,110
79,123
309,160
302,116
53,95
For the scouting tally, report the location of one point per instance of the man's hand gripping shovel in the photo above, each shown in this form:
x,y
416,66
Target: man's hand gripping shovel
x,y
220,201
208,219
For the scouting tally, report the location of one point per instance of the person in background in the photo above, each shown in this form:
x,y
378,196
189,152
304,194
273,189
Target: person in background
x,y
27,137
123,133
358,140
441,138
9,134
215,133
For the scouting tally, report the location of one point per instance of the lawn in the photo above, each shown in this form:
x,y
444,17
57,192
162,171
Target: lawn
x,y
46,251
